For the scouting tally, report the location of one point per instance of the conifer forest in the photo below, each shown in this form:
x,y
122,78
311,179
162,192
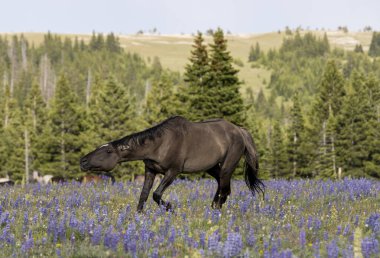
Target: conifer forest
x,y
319,116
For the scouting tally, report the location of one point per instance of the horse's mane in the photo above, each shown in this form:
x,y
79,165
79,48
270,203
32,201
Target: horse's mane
x,y
153,132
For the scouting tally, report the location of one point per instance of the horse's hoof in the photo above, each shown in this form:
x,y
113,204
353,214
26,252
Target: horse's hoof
x,y
169,207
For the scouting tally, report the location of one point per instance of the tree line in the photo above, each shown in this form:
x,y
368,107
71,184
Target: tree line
x,y
64,97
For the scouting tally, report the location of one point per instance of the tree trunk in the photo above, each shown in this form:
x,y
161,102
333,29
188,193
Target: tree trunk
x,y
26,141
88,88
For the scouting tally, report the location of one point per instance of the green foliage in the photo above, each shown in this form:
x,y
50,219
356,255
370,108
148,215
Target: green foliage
x,y
374,48
357,131
59,146
254,53
296,142
224,97
277,159
161,101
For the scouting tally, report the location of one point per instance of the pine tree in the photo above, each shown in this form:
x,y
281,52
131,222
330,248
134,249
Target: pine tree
x,y
197,76
254,53
224,99
277,153
35,122
61,144
113,115
161,101
357,131
327,106
295,144
12,139
374,48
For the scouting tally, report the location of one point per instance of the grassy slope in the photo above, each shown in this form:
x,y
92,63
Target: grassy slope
x,y
174,50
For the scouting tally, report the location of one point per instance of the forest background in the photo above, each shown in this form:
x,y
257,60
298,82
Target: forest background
x,y
311,99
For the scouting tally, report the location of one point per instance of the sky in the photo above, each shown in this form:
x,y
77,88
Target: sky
x,y
178,16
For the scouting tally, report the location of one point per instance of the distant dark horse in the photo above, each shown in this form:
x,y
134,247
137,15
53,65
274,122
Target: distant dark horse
x,y
176,146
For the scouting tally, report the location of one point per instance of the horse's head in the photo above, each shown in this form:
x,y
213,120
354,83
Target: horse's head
x,y
106,157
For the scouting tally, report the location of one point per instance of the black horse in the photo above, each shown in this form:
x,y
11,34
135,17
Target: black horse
x,y
176,146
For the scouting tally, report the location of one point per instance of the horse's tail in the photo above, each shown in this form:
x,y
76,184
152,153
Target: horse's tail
x,y
251,164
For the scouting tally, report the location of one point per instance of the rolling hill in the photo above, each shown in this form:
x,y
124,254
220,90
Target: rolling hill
x,y
174,50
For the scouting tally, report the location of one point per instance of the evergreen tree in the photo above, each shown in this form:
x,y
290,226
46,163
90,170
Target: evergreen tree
x,y
374,48
357,131
295,146
35,122
277,153
327,106
358,48
325,165
112,116
61,144
197,77
224,84
254,53
162,101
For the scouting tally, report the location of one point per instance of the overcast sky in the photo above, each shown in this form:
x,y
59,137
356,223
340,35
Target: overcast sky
x,y
177,16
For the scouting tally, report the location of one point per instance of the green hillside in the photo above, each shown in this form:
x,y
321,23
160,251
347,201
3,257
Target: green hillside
x,y
174,50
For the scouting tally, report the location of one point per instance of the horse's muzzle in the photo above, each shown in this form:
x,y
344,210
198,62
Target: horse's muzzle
x,y
84,164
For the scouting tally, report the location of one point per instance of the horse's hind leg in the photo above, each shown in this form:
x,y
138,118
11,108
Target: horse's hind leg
x,y
165,182
226,171
215,173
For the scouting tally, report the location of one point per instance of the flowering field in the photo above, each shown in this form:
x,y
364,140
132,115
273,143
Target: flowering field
x,y
305,218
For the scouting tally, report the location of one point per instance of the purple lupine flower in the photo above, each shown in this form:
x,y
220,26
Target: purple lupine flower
x,y
373,222
97,236
28,244
310,222
130,244
111,239
317,224
172,235
285,254
154,253
202,239
370,246
303,238
332,249
325,235
233,245
213,241
339,230
316,246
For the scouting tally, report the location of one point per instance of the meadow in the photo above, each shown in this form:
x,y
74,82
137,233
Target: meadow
x,y
302,218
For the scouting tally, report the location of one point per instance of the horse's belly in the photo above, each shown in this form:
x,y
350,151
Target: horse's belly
x,y
200,163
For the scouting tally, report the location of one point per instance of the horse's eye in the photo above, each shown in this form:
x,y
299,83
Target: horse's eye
x,y
109,150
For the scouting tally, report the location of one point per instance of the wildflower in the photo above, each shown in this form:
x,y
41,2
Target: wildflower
x,y
97,236
111,239
370,246
233,245
332,249
303,239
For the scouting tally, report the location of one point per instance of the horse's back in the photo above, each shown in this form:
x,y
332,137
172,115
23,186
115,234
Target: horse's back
x,y
206,143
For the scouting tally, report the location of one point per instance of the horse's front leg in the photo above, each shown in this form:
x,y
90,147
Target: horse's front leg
x,y
169,177
148,183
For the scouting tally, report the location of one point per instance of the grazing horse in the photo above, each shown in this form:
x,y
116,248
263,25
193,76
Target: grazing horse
x,y
176,146
96,179
44,180
6,181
